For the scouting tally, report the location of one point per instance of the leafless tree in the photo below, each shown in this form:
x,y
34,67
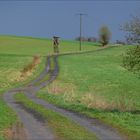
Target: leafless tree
x,y
132,28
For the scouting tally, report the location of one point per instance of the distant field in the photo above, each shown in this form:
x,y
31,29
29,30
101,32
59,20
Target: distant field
x,y
96,84
37,46
17,52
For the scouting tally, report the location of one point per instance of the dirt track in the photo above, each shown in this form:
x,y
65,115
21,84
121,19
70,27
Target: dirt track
x,y
35,129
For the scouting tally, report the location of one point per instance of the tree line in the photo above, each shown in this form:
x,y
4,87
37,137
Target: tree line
x,y
104,36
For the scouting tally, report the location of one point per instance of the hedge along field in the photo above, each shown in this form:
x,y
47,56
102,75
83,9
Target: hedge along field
x,y
15,54
97,85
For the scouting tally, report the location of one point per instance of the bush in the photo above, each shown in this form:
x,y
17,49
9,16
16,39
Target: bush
x,y
131,60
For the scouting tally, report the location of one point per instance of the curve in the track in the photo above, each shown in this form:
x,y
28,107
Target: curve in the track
x,y
35,129
42,132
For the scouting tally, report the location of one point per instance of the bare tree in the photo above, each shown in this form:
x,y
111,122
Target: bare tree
x,y
104,35
132,28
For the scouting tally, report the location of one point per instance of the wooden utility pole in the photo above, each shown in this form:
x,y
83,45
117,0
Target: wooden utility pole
x,y
80,39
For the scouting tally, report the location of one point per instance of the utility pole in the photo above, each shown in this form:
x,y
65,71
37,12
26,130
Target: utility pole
x,y
80,39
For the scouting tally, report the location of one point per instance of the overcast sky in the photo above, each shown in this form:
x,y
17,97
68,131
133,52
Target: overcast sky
x,y
48,18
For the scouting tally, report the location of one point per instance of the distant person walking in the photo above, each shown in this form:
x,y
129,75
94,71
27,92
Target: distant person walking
x,y
56,44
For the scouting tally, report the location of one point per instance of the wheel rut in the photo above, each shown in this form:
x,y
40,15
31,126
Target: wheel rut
x,y
36,129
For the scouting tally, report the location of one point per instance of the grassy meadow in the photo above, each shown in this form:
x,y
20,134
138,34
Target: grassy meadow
x,y
16,53
97,85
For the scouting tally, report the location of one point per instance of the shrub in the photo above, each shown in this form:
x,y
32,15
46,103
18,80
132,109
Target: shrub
x,y
131,60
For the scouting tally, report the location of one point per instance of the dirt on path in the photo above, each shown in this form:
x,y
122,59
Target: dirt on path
x,y
35,129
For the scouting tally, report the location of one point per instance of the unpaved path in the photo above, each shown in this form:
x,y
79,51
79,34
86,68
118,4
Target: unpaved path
x,y
34,128
102,131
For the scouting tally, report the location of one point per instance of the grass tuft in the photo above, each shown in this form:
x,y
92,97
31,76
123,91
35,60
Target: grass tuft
x,y
29,68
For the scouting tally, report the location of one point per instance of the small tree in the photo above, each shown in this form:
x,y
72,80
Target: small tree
x,y
104,35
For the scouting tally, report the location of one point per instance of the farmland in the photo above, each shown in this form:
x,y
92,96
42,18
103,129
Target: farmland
x,y
93,83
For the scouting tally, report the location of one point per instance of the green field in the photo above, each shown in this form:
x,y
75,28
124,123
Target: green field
x,y
38,46
97,85
93,83
15,54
